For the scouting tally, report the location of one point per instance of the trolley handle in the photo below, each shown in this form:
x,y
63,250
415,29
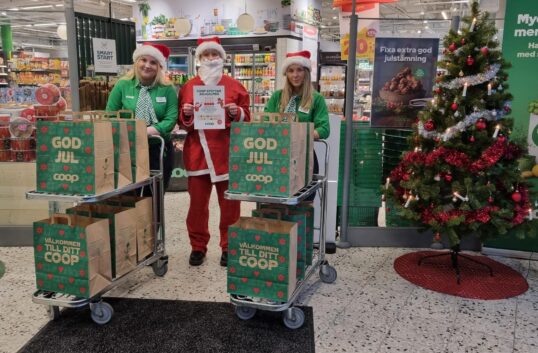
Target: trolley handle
x,y
326,160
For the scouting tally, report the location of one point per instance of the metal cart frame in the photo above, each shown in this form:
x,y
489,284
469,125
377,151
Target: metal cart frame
x,y
293,317
102,312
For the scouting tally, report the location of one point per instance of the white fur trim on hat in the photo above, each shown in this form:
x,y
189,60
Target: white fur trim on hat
x,y
151,51
209,45
299,60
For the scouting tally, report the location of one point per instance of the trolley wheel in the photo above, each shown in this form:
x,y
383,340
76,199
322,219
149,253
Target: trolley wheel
x,y
101,312
327,273
160,270
293,318
245,312
54,312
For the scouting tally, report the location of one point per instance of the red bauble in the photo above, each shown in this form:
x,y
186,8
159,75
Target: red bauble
x,y
462,41
516,196
507,109
405,177
471,139
481,124
452,47
501,138
490,199
484,51
438,90
448,177
454,106
429,125
470,60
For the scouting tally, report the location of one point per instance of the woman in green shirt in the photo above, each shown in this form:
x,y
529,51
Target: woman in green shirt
x,y
145,91
298,96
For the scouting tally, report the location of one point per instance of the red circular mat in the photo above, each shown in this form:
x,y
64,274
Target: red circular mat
x,y
437,274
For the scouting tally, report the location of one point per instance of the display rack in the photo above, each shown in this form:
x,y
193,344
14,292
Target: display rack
x,y
293,317
102,312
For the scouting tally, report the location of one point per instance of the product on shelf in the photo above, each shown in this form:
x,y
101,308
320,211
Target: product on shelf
x,y
48,94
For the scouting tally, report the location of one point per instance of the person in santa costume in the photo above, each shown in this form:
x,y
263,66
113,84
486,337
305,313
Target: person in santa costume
x,y
298,96
206,152
145,91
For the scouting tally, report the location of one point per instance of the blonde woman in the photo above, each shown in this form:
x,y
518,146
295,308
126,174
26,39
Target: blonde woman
x,y
299,97
145,91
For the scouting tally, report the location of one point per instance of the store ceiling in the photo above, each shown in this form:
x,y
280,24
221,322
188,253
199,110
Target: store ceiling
x,y
36,21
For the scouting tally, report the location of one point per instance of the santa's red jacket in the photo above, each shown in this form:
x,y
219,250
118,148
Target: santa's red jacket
x,y
207,151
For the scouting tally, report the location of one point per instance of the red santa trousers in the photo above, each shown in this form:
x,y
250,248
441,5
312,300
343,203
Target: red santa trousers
x,y
199,188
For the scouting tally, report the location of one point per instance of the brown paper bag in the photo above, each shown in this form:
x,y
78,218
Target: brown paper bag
x,y
122,229
72,254
138,145
145,233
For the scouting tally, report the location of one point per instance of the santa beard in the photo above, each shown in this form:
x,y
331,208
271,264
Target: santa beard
x,y
210,71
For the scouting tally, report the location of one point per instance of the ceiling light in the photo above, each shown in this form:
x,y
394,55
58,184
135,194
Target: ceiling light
x,y
419,31
444,15
425,21
35,45
36,7
4,13
13,9
45,24
422,13
59,5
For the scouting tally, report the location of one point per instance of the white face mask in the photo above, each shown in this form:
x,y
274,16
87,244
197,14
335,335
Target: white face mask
x,y
210,71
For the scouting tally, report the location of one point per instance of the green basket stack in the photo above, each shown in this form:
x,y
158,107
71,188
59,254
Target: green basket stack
x,y
366,174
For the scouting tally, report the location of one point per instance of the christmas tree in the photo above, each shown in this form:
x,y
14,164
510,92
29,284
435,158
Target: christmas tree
x,y
461,175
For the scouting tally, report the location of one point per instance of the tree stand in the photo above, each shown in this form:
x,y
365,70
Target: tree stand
x,y
454,254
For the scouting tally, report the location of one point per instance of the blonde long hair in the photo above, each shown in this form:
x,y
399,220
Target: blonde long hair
x,y
160,77
306,93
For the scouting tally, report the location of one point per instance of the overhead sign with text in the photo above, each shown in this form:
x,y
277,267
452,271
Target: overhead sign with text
x,y
404,74
520,48
104,55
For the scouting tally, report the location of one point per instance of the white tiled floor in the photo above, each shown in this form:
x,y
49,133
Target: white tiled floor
x,y
368,309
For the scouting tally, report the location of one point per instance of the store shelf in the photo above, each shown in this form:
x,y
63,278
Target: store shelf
x,y
257,64
3,74
254,77
3,66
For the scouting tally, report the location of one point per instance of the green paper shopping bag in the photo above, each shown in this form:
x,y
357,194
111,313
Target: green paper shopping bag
x,y
145,233
123,174
122,230
75,157
72,254
266,211
138,145
262,258
269,157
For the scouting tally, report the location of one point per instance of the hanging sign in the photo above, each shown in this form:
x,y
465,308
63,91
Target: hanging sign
x,y
404,73
104,55
520,48
366,32
209,107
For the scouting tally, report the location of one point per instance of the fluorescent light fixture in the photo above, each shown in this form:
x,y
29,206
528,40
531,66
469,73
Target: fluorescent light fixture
x,y
124,19
419,31
36,7
59,5
335,17
36,45
13,9
45,24
444,15
426,27
425,21
4,13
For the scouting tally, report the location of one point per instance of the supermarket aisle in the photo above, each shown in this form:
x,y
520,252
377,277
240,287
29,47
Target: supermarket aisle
x,y
368,309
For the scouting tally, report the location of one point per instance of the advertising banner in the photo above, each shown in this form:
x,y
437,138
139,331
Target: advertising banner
x,y
404,74
520,48
209,107
366,31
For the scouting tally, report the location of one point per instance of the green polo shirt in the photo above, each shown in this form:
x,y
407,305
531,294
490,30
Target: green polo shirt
x,y
124,95
318,113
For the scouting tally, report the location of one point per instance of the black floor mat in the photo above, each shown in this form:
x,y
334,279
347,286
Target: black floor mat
x,y
161,326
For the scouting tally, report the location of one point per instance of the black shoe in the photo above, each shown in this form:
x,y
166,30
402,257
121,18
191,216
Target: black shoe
x,y
196,258
224,258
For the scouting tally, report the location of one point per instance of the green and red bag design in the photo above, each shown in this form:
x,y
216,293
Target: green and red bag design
x,y
72,254
266,211
75,157
122,230
262,258
269,158
306,209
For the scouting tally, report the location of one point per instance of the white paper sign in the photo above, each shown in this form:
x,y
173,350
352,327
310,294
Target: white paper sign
x,y
209,110
104,55
533,135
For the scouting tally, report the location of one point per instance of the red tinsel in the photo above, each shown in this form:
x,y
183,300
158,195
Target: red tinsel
x,y
482,215
489,157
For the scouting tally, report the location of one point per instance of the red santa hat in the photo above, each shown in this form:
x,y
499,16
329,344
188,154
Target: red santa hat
x,y
300,58
159,52
209,43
